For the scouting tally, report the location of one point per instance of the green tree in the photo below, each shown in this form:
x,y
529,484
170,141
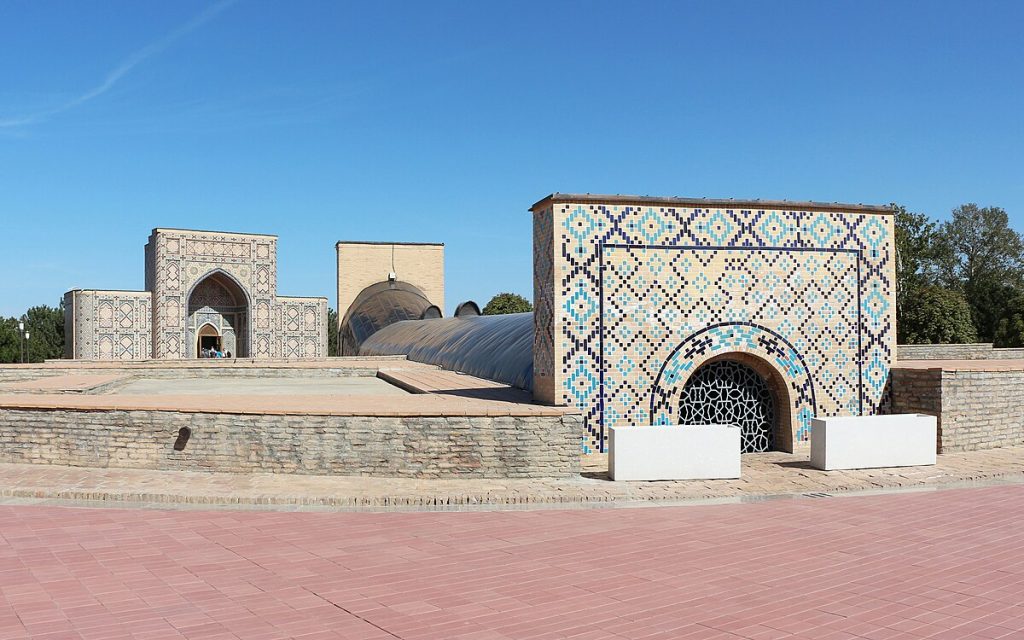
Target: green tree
x,y
934,315
10,341
46,330
980,255
333,348
507,303
1010,329
916,267
45,326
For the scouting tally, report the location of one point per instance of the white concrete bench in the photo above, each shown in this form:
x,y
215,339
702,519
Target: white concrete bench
x,y
868,442
677,452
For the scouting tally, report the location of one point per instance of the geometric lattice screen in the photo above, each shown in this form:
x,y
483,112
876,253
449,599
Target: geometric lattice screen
x,y
729,392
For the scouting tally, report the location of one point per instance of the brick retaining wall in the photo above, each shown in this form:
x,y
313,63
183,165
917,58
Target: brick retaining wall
x,y
976,409
428,447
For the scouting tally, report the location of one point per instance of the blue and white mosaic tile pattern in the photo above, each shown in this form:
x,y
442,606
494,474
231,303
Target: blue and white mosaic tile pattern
x,y
643,295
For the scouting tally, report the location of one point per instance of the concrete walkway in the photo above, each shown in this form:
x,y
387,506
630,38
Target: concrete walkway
x,y
763,475
944,565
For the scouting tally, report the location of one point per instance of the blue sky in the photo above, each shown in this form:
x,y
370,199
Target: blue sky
x,y
445,121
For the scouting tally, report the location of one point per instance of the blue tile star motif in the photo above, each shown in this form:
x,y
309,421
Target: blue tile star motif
x,y
580,225
822,230
773,229
874,233
652,227
719,228
875,306
582,384
876,372
580,306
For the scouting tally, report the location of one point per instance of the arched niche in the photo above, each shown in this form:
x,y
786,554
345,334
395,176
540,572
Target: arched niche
x,y
765,352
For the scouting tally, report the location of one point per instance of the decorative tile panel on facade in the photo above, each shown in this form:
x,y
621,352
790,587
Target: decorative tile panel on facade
x,y
634,295
204,290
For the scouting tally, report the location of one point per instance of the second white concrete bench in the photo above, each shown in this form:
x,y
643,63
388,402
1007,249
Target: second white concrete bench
x,y
869,442
676,452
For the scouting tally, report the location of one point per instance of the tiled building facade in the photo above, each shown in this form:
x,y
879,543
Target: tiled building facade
x,y
633,295
202,287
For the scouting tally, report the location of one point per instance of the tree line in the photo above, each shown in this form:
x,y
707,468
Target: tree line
x,y
45,326
961,280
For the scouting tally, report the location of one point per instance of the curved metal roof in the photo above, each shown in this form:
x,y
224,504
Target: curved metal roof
x,y
497,348
378,306
467,308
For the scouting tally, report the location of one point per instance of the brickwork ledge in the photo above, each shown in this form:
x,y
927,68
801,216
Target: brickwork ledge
x,y
963,365
414,405
763,475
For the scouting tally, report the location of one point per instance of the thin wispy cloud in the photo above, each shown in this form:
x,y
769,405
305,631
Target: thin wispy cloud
x,y
122,69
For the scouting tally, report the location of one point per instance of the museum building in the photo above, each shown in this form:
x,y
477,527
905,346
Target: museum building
x,y
203,290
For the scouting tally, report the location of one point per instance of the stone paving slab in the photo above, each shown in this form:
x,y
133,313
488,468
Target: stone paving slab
x,y
767,474
412,405
945,565
452,383
74,383
214,388
321,363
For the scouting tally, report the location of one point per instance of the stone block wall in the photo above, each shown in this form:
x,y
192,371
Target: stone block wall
x,y
975,351
423,447
976,409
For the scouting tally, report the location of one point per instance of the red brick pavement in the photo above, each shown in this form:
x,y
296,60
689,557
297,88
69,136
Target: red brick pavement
x,y
947,564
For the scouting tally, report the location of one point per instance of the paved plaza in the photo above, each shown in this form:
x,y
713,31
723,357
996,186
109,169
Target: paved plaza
x,y
946,564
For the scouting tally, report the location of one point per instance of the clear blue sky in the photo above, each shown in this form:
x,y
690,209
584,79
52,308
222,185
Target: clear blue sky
x,y
445,121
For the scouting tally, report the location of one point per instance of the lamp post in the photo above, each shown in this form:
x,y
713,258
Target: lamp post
x,y
21,334
26,345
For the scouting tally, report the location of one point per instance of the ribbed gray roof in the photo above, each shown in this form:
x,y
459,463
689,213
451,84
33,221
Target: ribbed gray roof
x,y
498,348
378,306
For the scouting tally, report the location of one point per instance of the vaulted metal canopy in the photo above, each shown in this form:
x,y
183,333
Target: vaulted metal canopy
x,y
497,348
378,306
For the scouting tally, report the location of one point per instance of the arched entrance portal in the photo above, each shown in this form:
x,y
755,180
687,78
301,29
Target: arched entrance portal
x,y
218,315
208,338
727,391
